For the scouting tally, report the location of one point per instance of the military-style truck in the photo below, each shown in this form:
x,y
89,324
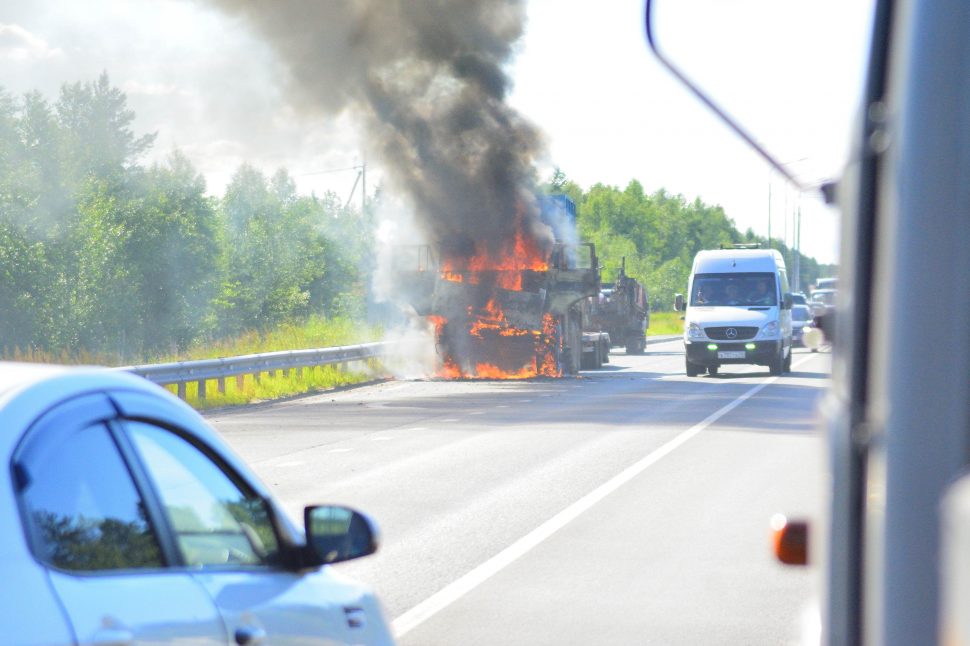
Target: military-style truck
x,y
623,312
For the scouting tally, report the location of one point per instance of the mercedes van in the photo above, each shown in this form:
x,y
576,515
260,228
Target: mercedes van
x,y
737,311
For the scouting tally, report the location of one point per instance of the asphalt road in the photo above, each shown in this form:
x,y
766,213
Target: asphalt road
x,y
629,505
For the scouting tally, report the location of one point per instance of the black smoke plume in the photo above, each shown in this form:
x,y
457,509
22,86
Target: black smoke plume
x,y
427,79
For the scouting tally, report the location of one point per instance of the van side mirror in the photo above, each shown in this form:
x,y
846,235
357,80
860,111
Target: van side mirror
x,y
679,302
786,301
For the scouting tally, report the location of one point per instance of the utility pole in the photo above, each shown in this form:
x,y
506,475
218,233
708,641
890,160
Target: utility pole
x,y
797,264
363,186
769,209
362,178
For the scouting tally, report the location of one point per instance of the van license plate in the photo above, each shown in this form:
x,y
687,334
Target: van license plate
x,y
730,354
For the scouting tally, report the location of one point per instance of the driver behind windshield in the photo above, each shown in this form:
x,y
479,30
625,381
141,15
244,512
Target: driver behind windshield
x,y
762,294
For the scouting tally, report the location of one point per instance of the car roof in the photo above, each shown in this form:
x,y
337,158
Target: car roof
x,y
737,261
29,390
61,382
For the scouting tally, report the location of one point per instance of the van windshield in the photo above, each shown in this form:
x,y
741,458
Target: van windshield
x,y
739,289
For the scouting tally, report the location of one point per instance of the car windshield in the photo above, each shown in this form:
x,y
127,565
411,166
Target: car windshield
x,y
741,289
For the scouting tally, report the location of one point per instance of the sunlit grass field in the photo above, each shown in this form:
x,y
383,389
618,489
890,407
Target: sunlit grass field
x,y
665,323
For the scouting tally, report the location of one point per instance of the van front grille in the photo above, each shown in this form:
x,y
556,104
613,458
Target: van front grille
x,y
731,333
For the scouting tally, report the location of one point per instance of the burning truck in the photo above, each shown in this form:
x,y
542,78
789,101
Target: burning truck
x,y
511,312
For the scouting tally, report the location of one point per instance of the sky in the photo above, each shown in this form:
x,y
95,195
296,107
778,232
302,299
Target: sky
x,y
790,71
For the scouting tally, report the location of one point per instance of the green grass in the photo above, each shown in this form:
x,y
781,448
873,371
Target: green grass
x,y
665,323
317,332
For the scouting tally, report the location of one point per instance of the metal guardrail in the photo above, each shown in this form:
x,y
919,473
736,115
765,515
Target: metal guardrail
x,y
182,373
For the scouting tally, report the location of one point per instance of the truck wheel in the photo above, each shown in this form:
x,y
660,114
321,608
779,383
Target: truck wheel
x,y
712,370
605,353
635,347
588,360
777,363
692,369
787,366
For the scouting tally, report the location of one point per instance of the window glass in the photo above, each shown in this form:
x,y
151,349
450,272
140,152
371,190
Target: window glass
x,y
738,289
83,509
215,522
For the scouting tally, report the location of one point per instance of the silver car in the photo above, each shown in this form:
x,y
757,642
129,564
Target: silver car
x,y
125,519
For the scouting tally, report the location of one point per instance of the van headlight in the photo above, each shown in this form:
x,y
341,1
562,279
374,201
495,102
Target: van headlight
x,y
770,330
695,331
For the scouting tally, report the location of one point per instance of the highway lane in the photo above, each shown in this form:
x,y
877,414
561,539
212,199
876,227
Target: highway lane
x,y
510,513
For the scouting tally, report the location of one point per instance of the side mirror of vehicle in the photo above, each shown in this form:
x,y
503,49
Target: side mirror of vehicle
x,y
786,302
679,302
335,534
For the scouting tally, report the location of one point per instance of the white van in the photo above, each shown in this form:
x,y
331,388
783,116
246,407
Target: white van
x,y
738,310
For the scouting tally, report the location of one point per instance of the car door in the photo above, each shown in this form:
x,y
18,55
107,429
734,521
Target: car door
x,y
227,540
88,521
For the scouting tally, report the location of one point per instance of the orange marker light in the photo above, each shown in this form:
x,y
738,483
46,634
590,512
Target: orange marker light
x,y
790,540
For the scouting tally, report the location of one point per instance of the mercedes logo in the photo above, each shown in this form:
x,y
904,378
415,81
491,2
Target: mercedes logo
x,y
731,333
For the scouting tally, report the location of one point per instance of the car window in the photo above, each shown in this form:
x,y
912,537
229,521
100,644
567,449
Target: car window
x,y
215,522
83,510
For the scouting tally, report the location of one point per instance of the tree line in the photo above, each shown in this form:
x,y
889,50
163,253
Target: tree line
x,y
656,235
101,253
104,255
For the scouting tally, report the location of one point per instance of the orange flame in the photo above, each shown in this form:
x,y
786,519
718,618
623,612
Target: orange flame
x,y
489,325
488,371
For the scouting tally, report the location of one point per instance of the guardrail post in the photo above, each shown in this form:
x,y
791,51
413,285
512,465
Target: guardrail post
x,y
221,385
240,382
181,390
201,389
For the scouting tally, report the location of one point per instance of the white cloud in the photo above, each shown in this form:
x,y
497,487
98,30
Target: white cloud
x,y
154,89
18,44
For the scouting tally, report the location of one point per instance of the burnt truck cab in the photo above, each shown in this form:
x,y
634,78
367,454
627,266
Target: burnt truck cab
x,y
541,312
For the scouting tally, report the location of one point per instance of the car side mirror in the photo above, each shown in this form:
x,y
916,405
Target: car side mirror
x,y
679,302
786,302
335,534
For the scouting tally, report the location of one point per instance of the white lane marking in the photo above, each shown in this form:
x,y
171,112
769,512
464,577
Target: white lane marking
x,y
451,419
416,428
382,438
339,450
477,412
420,613
294,463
